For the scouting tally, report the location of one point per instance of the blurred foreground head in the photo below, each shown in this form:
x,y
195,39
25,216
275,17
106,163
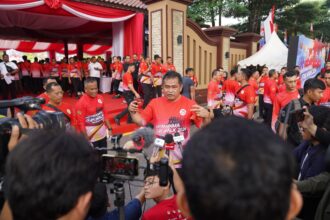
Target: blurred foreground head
x,y
237,169
51,175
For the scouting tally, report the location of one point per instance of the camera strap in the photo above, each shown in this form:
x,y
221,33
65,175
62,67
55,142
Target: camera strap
x,y
58,110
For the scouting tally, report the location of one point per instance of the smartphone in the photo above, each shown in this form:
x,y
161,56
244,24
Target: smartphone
x,y
119,165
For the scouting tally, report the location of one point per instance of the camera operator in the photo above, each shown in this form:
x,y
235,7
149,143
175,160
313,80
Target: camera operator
x,y
288,127
238,178
100,203
51,175
55,104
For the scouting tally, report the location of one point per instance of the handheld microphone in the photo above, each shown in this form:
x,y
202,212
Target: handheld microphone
x,y
179,139
169,142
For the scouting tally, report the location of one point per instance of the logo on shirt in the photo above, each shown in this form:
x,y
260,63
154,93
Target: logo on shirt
x,y
242,92
68,111
99,101
183,112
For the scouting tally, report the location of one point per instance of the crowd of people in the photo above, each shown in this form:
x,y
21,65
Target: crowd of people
x,y
232,168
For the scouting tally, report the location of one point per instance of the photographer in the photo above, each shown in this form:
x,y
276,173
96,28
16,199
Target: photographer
x,y
51,176
288,127
238,178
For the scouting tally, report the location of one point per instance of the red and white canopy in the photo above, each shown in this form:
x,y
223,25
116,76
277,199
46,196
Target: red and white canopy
x,y
35,47
65,19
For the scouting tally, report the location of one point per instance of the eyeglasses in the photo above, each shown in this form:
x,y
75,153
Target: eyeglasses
x,y
149,183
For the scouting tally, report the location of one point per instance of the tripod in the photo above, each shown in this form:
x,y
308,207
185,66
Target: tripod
x,y
119,202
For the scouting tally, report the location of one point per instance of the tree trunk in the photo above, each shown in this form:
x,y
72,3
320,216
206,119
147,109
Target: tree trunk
x,y
212,16
220,14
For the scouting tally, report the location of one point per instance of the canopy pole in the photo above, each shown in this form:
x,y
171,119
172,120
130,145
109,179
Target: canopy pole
x,y
66,49
80,50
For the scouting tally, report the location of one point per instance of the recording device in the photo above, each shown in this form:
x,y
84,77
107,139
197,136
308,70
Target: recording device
x,y
48,120
298,114
162,169
120,165
169,142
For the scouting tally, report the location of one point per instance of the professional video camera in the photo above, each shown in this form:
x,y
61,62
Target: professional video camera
x,y
48,120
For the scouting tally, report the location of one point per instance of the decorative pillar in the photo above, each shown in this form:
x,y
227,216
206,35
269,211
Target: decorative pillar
x,y
167,23
66,49
251,39
222,36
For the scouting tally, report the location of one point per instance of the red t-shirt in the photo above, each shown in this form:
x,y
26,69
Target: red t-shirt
x,y
195,80
230,86
127,79
91,115
118,68
169,117
64,70
270,91
46,69
213,92
55,69
44,96
165,210
281,100
280,80
245,97
74,70
262,83
326,98
143,67
168,67
25,68
36,70
66,109
253,82
157,70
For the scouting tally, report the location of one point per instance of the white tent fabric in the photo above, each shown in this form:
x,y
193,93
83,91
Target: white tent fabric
x,y
274,55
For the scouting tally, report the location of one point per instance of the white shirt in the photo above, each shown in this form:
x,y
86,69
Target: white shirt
x,y
3,71
92,71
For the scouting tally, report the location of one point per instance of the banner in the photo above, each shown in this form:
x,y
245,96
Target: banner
x,y
309,55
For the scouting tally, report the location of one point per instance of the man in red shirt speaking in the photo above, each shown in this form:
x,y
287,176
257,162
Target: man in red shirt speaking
x,y
170,114
92,119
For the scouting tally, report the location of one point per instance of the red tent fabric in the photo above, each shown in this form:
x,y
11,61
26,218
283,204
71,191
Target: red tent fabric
x,y
57,19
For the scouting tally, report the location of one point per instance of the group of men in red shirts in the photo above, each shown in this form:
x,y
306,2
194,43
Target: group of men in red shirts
x,y
242,89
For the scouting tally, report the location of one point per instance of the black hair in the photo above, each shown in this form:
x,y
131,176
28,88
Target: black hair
x,y
312,84
233,72
35,59
247,73
172,75
234,174
284,68
24,57
119,57
289,74
131,64
321,116
271,72
100,201
189,69
49,86
156,57
214,72
89,80
48,172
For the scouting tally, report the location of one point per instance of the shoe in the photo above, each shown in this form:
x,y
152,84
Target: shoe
x,y
117,120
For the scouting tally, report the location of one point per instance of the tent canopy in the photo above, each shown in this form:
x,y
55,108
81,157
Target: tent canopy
x,y
59,21
274,55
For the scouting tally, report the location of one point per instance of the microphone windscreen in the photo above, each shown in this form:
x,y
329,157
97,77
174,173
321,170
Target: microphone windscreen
x,y
147,134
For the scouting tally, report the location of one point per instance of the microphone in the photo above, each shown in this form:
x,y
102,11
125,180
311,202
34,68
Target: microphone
x,y
169,142
179,139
